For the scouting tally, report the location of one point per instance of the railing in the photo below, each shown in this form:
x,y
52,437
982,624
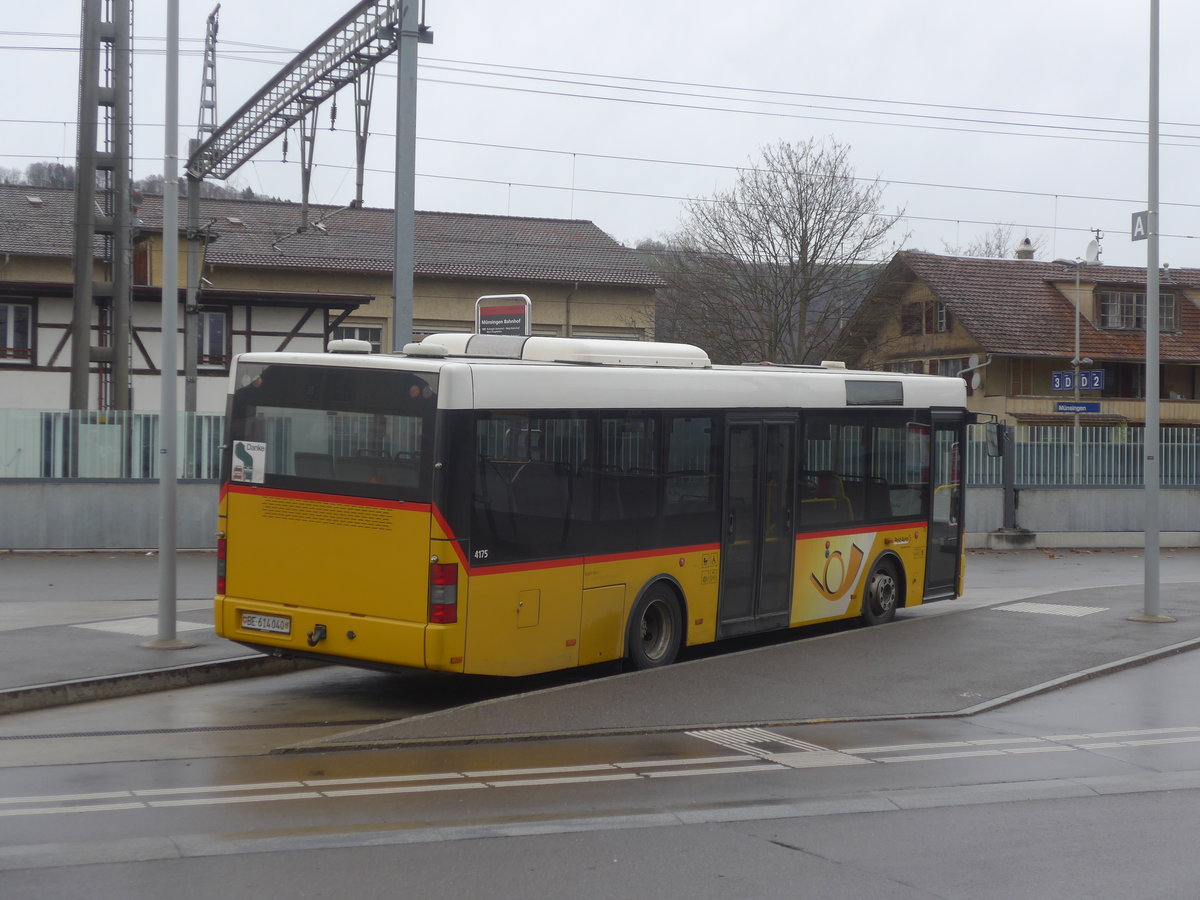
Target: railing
x,y
125,445
99,444
1109,456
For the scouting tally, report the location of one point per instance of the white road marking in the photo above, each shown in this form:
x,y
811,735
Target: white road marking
x,y
756,743
726,770
576,779
384,779
68,798
221,801
923,757
265,786
1067,738
407,789
701,761
897,748
546,770
45,810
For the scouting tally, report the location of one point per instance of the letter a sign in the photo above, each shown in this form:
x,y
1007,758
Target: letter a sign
x,y
1141,226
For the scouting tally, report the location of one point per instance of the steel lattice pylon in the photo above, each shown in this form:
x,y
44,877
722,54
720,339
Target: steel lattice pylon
x,y
367,34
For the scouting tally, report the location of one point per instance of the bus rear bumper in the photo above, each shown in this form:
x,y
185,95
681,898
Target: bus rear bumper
x,y
303,632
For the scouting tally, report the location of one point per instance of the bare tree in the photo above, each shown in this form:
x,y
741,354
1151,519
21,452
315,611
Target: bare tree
x,y
770,269
999,243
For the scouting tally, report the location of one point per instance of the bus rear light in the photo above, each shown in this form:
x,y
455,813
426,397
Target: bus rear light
x,y
443,593
221,565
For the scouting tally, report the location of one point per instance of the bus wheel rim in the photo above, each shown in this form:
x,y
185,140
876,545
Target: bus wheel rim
x,y
883,593
656,629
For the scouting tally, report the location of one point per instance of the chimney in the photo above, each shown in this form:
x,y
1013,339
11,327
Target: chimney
x,y
1025,249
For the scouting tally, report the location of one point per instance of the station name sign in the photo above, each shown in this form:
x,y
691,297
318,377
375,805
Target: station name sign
x,y
504,314
1083,406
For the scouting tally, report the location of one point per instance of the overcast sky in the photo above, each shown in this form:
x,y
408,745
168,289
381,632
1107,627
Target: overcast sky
x,y
973,113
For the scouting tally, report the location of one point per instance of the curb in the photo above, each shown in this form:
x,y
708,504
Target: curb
x,y
107,687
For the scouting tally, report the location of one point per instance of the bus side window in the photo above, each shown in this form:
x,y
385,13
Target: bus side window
x,y
833,481
528,488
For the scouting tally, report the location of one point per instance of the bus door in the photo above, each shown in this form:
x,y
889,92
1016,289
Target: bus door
x,y
758,539
945,510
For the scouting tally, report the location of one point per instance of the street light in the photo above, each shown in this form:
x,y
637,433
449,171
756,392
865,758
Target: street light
x,y
1076,362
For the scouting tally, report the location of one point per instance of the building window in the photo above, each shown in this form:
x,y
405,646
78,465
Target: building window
x,y
1167,320
1126,310
924,318
939,318
212,349
1020,377
372,334
953,366
16,332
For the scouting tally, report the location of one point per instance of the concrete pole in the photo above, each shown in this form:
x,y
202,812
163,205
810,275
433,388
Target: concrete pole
x,y
168,451
1076,450
1151,470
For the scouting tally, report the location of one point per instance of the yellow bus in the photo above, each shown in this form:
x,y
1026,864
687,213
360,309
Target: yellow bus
x,y
508,505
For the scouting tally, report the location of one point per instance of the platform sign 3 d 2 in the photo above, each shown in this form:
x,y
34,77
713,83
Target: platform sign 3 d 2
x,y
504,314
1089,380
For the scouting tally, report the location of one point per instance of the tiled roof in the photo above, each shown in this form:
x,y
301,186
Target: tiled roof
x,y
1011,306
261,233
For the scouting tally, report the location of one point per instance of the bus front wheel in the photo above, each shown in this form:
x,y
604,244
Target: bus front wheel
x,y
882,595
655,629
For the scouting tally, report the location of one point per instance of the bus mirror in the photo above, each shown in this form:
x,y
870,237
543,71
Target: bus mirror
x,y
992,436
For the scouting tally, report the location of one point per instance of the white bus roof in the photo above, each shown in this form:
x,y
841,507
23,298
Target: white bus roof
x,y
503,372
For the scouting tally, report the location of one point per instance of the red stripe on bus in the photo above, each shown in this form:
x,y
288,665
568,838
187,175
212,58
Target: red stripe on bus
x,y
527,567
647,554
875,529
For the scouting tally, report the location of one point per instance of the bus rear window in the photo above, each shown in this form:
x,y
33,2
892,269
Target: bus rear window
x,y
359,432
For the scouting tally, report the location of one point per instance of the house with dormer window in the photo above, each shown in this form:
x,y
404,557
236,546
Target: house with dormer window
x,y
1008,326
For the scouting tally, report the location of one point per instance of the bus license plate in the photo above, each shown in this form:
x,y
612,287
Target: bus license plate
x,y
273,624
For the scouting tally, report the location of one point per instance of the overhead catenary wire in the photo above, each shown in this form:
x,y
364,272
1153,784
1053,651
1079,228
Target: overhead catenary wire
x,y
754,97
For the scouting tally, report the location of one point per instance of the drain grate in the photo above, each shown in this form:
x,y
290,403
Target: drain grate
x,y
1052,609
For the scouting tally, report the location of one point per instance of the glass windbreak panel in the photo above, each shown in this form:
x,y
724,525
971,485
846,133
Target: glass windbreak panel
x,y
899,478
360,432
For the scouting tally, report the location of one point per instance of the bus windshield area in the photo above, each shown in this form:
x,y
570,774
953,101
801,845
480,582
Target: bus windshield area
x,y
357,432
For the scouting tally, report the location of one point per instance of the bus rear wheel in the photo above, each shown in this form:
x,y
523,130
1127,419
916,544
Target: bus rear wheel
x,y
655,629
882,595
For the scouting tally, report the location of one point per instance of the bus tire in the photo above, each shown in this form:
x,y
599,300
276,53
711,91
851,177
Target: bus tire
x,y
655,629
881,595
